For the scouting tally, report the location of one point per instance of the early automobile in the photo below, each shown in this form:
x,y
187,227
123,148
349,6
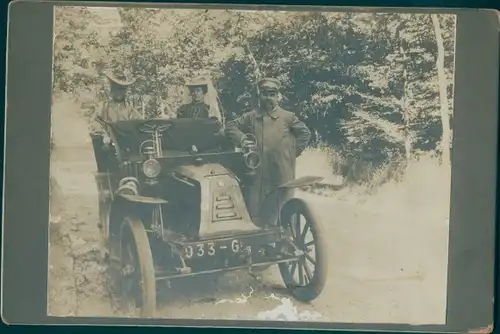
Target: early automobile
x,y
172,205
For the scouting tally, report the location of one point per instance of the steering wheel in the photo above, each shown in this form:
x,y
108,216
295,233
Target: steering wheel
x,y
150,127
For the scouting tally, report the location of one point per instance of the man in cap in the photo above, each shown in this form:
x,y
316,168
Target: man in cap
x,y
197,108
281,138
113,110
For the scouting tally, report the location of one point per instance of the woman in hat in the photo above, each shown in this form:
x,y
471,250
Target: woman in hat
x,y
203,102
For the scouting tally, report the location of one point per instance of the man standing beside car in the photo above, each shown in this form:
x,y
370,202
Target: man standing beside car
x,y
281,138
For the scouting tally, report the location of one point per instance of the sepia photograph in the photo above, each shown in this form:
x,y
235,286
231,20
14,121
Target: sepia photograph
x,y
236,164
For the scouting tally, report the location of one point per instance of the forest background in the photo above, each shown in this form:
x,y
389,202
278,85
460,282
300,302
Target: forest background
x,y
376,89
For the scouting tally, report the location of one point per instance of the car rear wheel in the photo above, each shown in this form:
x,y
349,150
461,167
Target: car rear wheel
x,y
104,212
104,207
104,203
138,283
305,277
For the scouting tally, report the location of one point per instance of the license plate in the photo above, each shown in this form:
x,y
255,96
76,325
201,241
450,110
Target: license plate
x,y
211,248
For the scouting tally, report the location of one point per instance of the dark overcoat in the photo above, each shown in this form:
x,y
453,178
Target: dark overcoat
x,y
281,138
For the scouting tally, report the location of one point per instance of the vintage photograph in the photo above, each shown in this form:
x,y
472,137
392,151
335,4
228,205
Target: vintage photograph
x,y
250,164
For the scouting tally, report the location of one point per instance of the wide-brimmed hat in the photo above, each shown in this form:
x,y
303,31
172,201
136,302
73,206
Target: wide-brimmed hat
x,y
119,78
200,81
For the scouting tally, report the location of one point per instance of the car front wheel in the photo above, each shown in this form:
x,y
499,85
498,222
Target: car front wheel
x,y
304,277
138,282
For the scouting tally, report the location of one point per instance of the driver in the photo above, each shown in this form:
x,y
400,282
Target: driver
x,y
197,108
281,138
116,108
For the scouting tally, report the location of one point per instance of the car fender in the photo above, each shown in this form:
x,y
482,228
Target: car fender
x,y
123,205
142,199
300,182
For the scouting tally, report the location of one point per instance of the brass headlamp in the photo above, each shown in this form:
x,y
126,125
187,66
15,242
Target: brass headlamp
x,y
251,157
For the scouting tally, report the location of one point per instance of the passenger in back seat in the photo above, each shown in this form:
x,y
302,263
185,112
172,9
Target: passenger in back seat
x,y
197,108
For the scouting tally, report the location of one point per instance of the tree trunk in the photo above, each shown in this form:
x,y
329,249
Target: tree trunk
x,y
257,72
163,109
443,95
143,108
406,116
408,142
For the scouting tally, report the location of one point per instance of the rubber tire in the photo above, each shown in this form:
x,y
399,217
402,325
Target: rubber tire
x,y
104,219
145,259
315,287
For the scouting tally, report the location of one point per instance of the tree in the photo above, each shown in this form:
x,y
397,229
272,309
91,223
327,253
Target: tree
x,y
365,83
371,85
73,42
440,64
403,85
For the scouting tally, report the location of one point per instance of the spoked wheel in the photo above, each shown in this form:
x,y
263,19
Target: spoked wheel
x,y
306,276
138,283
104,212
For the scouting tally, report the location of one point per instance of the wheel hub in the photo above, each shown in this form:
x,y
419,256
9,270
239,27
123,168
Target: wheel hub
x,y
298,252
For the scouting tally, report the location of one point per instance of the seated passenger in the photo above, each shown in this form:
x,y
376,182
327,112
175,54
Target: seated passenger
x,y
198,107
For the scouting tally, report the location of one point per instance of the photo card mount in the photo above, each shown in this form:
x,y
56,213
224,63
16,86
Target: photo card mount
x,y
30,118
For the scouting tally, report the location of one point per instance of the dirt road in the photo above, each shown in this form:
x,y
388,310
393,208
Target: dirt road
x,y
387,257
